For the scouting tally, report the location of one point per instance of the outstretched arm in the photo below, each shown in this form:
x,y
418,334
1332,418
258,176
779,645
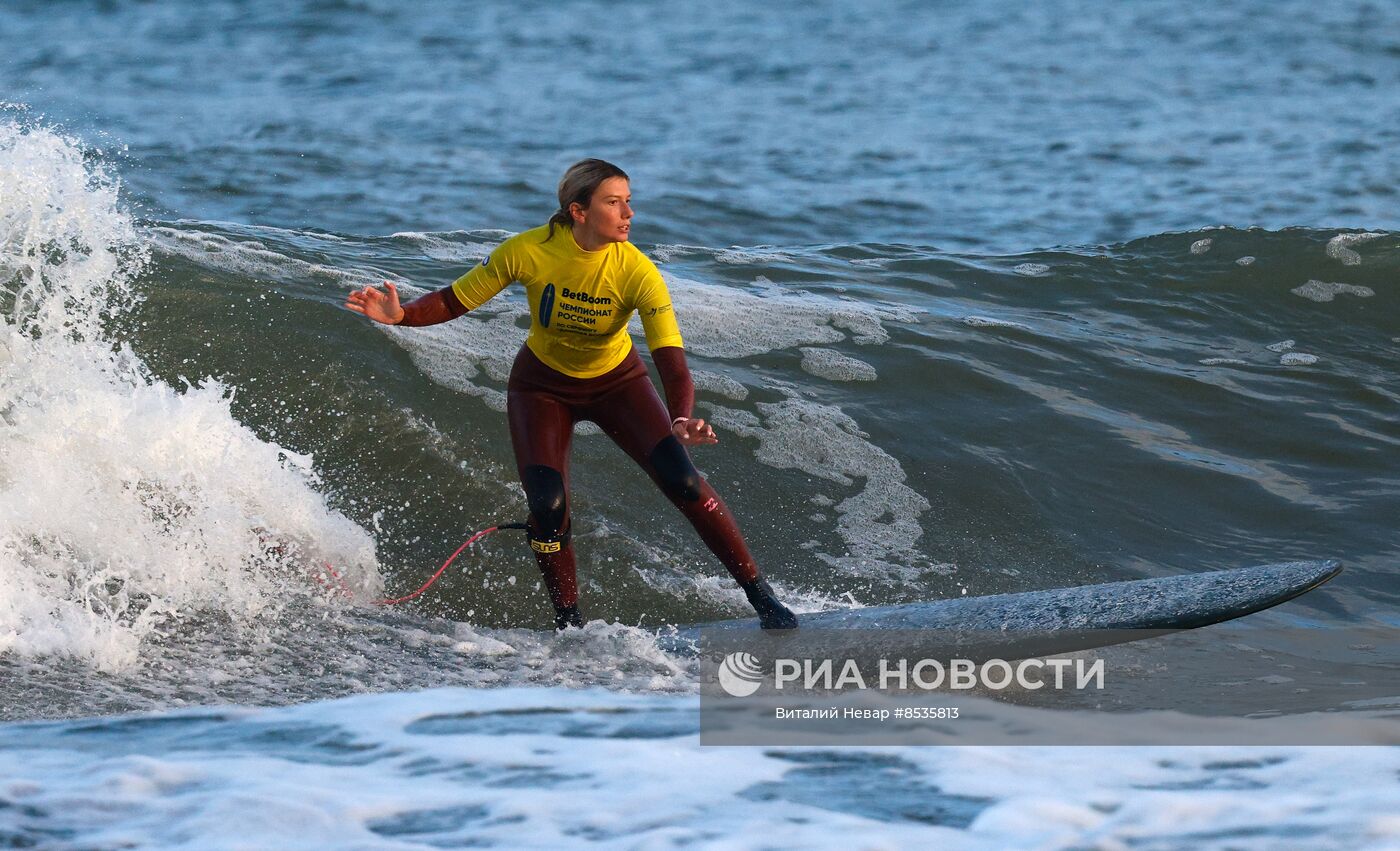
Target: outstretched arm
x,y
435,307
680,397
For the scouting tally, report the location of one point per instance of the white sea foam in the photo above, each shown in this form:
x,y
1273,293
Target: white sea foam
x,y
1032,270
1244,261
878,523
149,503
1281,346
993,322
550,767
1223,362
721,590
834,366
721,384
1201,246
727,322
253,259
1298,359
751,256
1339,246
1324,291
438,246
459,354
667,253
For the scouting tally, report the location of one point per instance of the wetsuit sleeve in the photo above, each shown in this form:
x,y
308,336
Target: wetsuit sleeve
x,y
435,307
675,380
654,305
494,273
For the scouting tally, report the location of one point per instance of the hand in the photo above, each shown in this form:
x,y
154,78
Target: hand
x,y
381,307
693,432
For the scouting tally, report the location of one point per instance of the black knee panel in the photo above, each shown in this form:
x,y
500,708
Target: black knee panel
x,y
549,507
678,475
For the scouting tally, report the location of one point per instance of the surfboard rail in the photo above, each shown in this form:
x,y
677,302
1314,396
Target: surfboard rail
x,y
1066,619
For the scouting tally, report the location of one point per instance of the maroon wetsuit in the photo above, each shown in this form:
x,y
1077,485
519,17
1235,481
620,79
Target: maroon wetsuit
x,y
543,404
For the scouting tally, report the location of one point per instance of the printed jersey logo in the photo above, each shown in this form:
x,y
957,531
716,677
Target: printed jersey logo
x,y
740,674
546,305
579,295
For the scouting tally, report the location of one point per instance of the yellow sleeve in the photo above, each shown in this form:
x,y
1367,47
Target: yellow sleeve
x,y
495,272
654,305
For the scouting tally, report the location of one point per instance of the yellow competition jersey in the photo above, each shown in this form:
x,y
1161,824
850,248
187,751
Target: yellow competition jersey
x,y
580,301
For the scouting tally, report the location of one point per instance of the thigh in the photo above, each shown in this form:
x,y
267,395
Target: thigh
x,y
541,430
634,416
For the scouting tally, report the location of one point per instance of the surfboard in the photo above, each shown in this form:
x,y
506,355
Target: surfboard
x,y
1062,620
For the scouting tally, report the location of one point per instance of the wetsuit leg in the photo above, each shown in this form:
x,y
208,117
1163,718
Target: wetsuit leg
x,y
541,431
634,417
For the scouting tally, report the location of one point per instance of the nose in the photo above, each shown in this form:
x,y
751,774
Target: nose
x,y
626,210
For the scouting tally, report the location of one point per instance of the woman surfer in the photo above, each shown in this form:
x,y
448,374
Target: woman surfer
x,y
584,280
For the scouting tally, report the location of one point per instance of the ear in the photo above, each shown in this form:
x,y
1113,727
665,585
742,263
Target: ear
x,y
578,212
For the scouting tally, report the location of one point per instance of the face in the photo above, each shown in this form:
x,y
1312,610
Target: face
x,y
609,215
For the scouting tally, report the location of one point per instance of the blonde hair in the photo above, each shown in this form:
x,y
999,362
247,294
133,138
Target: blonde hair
x,y
577,187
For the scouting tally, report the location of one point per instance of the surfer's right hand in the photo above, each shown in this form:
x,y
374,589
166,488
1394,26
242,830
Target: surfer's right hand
x,y
379,306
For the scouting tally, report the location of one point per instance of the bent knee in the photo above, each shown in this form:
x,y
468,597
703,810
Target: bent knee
x,y
544,493
675,471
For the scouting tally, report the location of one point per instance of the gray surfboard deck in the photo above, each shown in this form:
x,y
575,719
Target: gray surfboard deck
x,y
1066,619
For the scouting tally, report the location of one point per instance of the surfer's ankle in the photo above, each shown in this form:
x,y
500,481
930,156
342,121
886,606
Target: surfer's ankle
x,y
771,613
566,617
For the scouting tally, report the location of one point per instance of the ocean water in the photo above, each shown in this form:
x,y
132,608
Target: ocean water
x,y
980,299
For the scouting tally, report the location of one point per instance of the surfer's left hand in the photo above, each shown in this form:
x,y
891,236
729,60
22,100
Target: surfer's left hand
x,y
693,432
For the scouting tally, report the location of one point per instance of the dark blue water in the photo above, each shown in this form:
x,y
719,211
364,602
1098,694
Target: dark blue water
x,y
956,125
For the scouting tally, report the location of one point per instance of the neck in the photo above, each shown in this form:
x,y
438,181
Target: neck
x,y
587,241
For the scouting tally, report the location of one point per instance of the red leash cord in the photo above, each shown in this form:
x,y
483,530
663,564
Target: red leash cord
x,y
345,589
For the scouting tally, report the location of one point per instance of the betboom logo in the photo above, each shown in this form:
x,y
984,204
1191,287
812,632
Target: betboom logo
x,y
740,674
